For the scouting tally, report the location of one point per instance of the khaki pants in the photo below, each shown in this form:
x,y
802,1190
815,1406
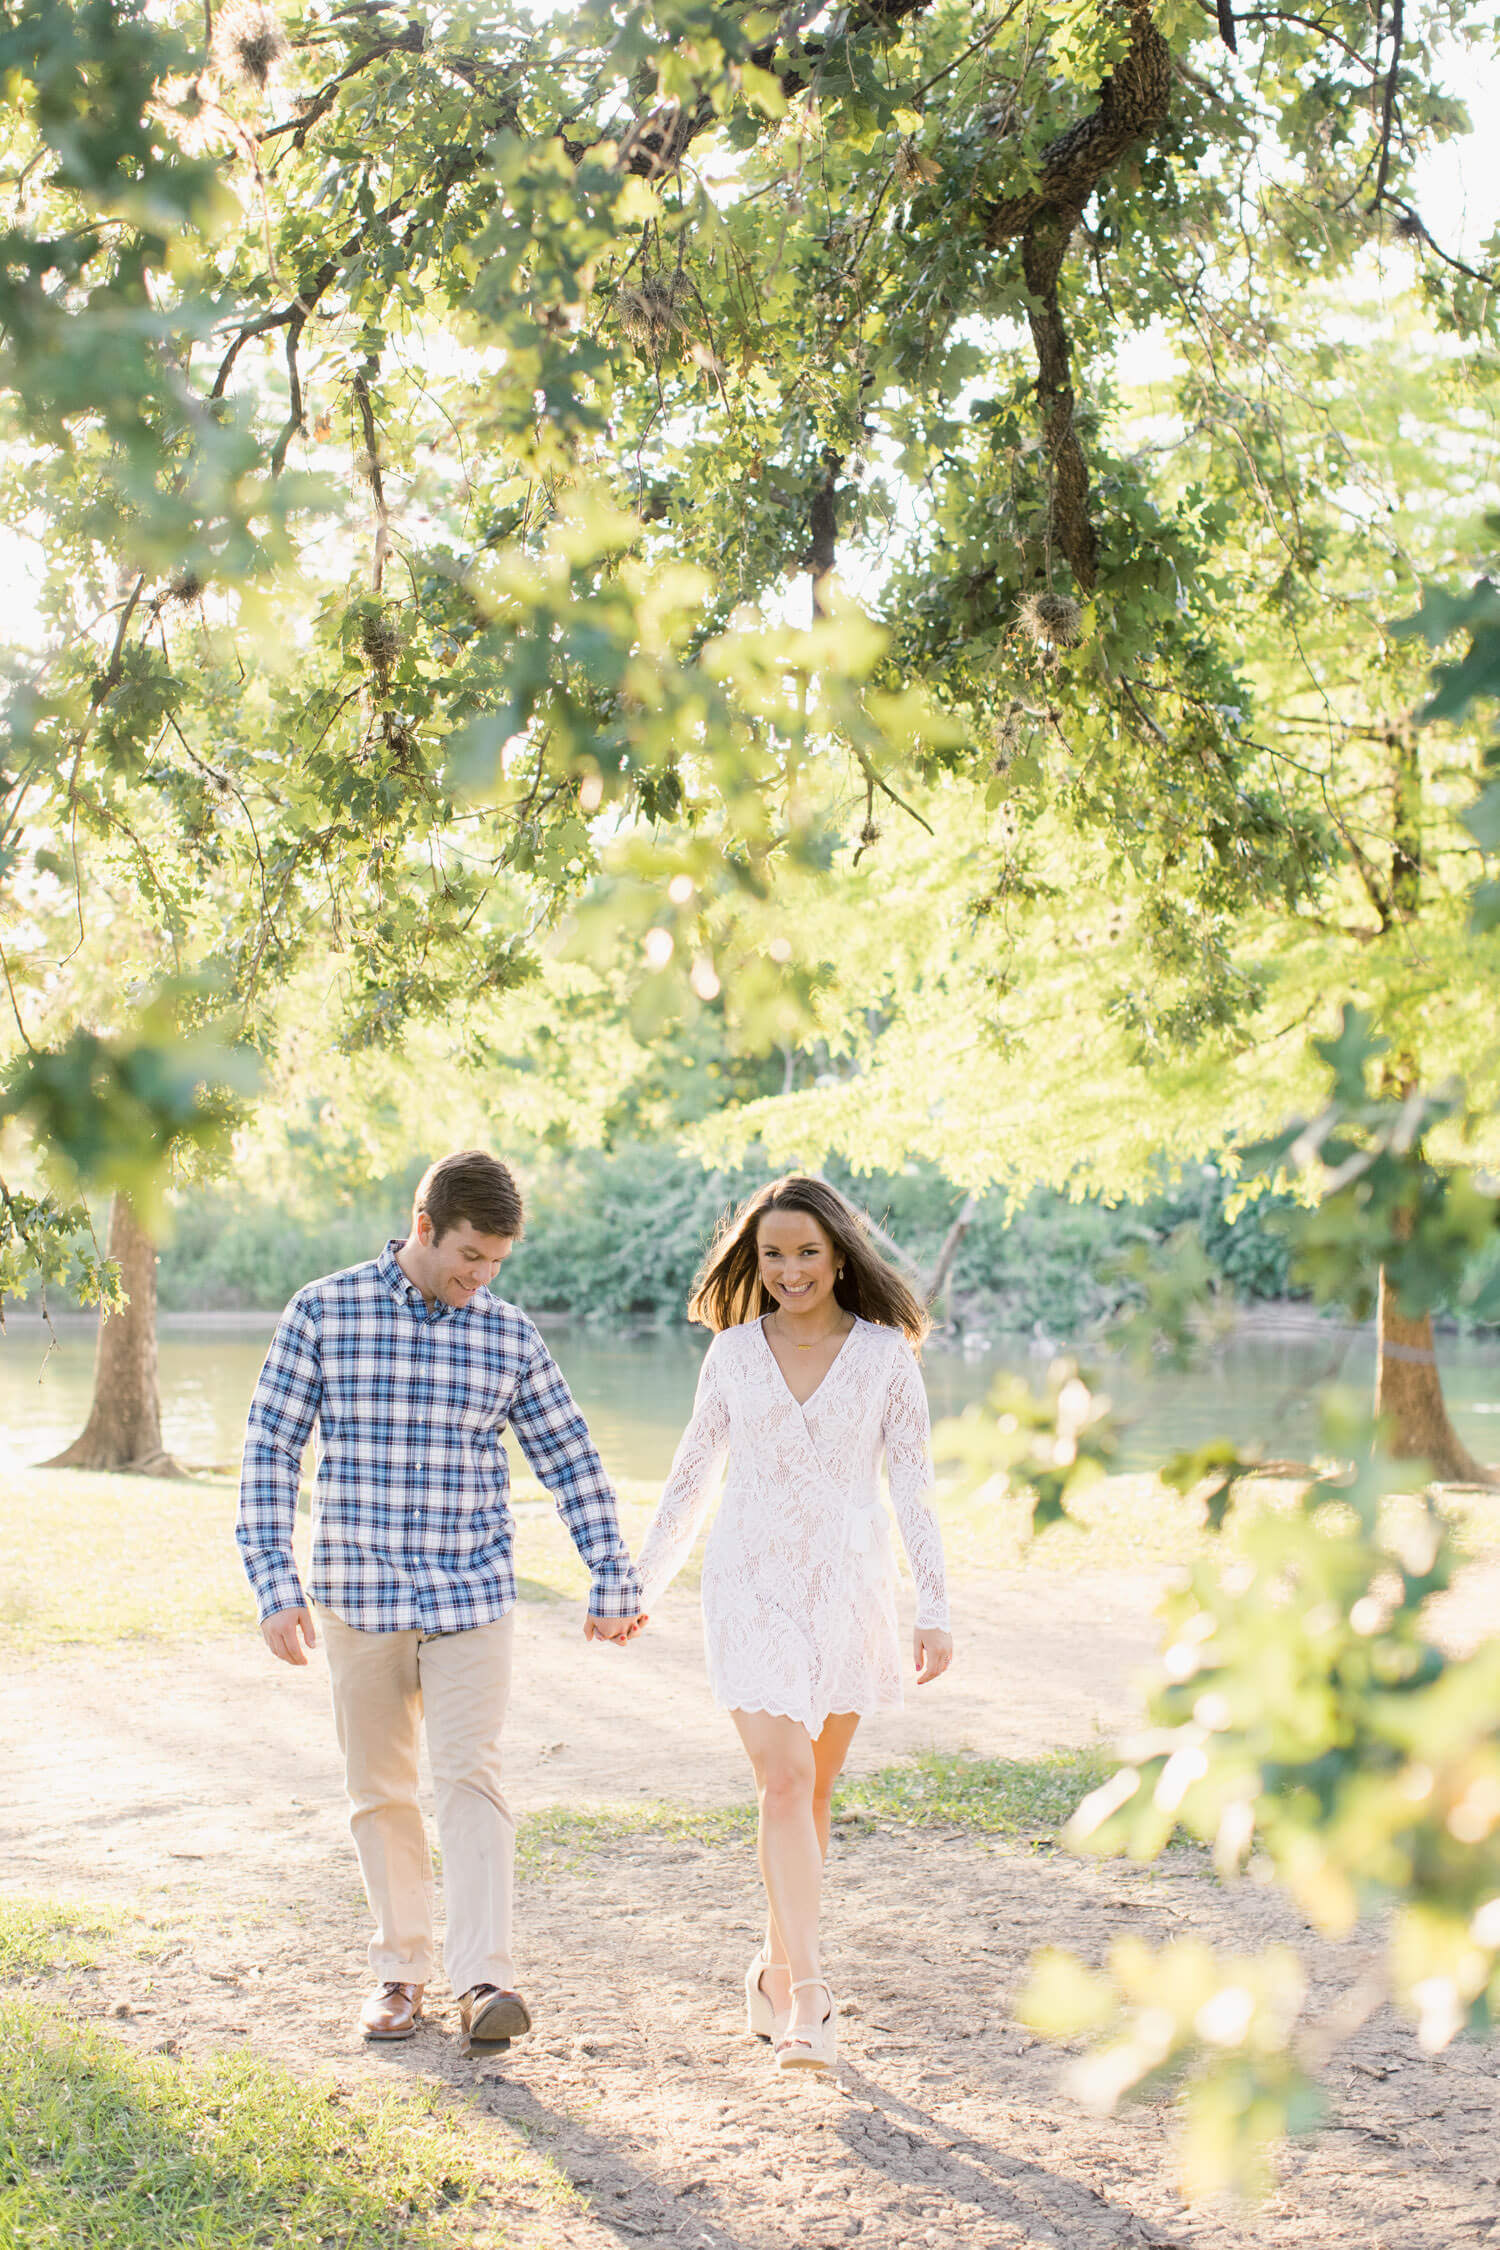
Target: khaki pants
x,y
383,1684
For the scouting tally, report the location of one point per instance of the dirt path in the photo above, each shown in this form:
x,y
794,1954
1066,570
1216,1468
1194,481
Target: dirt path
x,y
199,1787
117,1758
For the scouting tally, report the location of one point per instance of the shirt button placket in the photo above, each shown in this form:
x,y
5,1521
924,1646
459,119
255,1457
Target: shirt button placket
x,y
421,1401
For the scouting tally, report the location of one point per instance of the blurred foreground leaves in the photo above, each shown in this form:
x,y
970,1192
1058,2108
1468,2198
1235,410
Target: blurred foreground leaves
x,y
1306,1720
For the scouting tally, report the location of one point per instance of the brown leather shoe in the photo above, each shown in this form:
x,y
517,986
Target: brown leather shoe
x,y
392,2012
487,2013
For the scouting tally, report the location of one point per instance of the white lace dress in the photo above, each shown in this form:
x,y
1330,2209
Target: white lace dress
x,y
799,1610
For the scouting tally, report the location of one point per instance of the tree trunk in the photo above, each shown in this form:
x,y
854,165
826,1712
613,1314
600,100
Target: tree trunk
x,y
123,1430
1408,1390
1409,1394
933,1286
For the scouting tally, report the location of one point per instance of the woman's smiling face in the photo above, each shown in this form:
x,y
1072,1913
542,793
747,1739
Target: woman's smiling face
x,y
798,1263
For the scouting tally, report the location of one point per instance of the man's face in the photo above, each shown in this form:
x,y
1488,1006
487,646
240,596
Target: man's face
x,y
461,1262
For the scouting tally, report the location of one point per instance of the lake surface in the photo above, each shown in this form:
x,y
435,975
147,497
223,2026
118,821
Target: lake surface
x,y
638,1391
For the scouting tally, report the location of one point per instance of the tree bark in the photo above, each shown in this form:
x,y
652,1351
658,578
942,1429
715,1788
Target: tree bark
x,y
933,1286
1043,250
1406,820
1132,106
123,1430
1409,1394
824,526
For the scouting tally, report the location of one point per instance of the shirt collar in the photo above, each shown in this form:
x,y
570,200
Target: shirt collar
x,y
400,1285
406,1292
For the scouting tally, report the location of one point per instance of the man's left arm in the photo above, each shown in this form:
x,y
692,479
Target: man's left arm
x,y
555,1440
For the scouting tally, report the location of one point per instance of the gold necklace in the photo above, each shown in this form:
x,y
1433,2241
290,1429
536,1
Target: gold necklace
x,y
812,1347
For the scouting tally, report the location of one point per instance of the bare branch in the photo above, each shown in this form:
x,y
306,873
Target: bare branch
x,y
293,422
109,678
243,336
15,1005
878,781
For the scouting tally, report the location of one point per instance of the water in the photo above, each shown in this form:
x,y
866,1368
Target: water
x,y
638,1391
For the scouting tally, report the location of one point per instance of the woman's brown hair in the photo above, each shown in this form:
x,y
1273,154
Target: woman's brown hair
x,y
729,1289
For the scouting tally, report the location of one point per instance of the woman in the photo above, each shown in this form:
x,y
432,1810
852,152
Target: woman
x,y
809,1376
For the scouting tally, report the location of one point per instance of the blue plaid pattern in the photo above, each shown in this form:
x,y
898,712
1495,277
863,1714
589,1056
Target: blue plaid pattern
x,y
411,1522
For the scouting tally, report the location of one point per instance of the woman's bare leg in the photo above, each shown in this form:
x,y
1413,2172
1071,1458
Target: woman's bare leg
x,y
829,1752
794,1778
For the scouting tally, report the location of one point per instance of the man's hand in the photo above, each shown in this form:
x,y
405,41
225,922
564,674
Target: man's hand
x,y
933,1653
616,1629
281,1631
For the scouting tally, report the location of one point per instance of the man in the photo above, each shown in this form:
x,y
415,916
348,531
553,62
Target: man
x,y
411,1369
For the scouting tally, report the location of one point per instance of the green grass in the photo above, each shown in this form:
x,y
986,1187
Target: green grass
x,y
98,1559
561,1838
1024,1798
1027,1799
95,1559
1124,1523
92,1559
1474,1519
41,1934
102,2149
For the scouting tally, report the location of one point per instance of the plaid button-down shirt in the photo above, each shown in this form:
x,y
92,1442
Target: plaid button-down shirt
x,y
411,1522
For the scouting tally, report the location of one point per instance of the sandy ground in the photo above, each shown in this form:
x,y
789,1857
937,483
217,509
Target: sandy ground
x,y
198,1786
118,1756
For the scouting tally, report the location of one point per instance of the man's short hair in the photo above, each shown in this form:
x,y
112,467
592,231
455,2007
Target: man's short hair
x,y
469,1185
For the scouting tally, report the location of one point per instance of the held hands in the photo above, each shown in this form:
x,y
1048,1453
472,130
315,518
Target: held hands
x,y
616,1629
280,1632
932,1651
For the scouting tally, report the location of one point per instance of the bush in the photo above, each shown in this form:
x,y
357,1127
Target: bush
x,y
618,1235
229,1254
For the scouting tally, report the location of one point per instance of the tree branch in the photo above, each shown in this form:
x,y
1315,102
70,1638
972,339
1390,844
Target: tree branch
x,y
1043,248
878,781
824,526
1388,106
293,422
377,488
318,105
1133,102
933,1286
242,337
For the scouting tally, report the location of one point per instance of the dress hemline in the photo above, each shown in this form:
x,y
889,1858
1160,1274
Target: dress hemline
x,y
779,1711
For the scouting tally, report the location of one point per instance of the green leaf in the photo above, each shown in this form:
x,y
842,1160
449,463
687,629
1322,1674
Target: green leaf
x,y
1484,907
1350,1054
1482,818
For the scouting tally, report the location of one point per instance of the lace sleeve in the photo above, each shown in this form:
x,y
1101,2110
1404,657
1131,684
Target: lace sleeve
x,y
689,1488
908,1460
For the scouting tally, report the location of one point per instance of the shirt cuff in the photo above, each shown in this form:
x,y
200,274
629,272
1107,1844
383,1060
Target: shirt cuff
x,y
615,1593
933,1614
282,1590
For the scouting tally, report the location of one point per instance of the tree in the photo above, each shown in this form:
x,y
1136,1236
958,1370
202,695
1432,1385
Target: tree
x,y
389,795
123,1430
1021,1003
1302,1712
666,381
553,189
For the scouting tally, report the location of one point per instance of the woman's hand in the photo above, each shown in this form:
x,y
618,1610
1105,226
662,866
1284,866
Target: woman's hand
x,y
932,1651
616,1629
